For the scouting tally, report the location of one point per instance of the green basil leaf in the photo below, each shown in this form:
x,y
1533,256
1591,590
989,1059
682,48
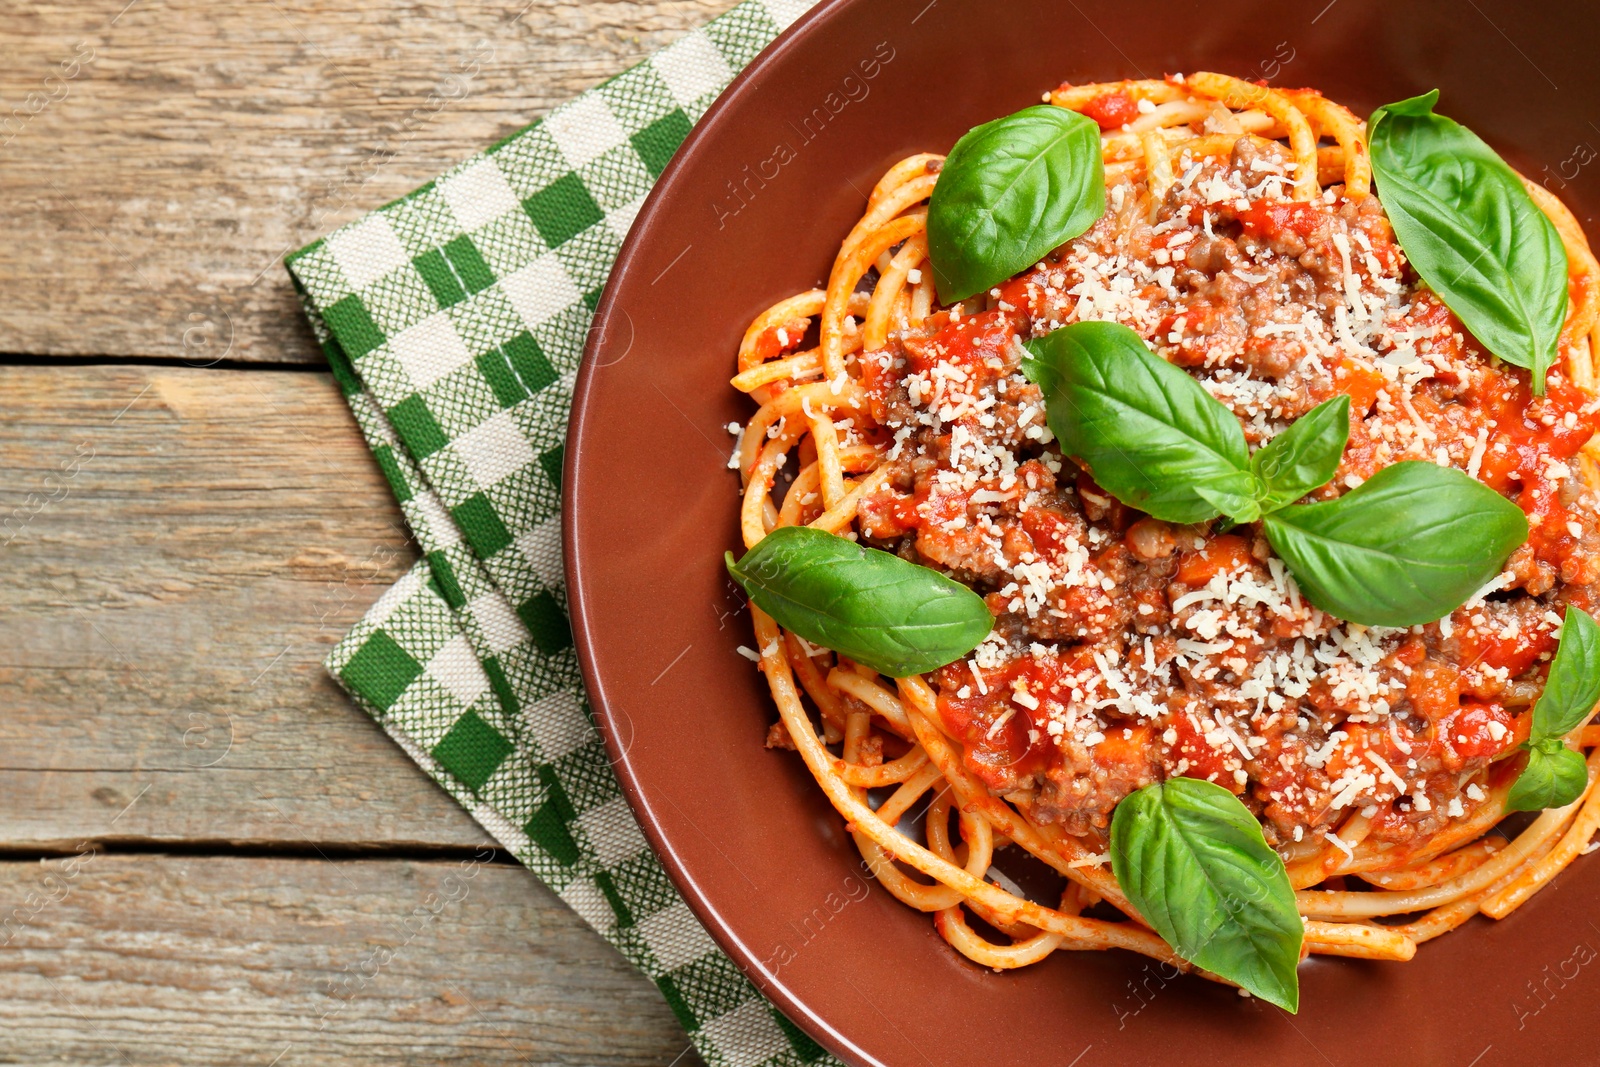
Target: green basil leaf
x,y
1151,436
1009,192
1303,457
1471,231
1554,777
1573,685
1407,547
1194,863
896,617
1239,507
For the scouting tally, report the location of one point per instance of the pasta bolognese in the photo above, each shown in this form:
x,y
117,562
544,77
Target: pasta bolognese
x,y
1236,229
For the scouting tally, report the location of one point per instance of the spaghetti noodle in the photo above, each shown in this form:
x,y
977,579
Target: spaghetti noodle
x,y
1242,242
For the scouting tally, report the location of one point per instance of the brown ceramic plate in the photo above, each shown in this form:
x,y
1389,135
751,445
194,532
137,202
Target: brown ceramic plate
x,y
734,225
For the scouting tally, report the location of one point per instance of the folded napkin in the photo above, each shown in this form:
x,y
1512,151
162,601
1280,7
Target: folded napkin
x,y
454,320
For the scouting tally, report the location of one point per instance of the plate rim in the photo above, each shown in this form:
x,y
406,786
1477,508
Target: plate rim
x,y
572,474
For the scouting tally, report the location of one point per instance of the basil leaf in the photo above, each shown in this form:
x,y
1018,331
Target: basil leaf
x,y
1407,547
1304,457
1471,231
1009,192
1554,777
1193,861
896,617
1150,435
1555,774
1573,685
1237,506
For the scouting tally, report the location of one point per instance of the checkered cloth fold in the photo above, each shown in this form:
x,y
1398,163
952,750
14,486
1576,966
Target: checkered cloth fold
x,y
454,321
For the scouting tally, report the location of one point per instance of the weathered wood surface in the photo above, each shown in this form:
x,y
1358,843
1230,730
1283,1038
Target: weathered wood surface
x,y
135,960
181,147
185,546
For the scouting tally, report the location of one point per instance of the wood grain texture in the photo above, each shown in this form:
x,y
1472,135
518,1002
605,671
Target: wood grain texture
x,y
129,961
184,548
151,197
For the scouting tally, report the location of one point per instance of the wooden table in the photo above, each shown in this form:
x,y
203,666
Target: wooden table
x,y
207,854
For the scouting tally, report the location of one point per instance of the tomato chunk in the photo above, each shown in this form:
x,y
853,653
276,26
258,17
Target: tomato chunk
x,y
1112,110
1219,556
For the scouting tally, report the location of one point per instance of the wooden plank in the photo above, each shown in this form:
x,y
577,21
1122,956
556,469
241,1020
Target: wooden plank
x,y
180,148
136,960
184,548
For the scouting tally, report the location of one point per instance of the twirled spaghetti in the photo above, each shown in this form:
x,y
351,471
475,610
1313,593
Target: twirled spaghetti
x,y
1242,241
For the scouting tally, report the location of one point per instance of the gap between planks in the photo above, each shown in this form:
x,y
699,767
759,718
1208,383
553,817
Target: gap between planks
x,y
35,851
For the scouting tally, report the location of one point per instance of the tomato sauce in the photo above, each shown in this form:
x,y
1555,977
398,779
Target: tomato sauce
x,y
1004,741
973,343
1198,757
1479,730
1273,219
1220,554
1529,433
1112,110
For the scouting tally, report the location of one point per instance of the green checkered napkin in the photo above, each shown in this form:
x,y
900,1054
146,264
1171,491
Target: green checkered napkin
x,y
454,320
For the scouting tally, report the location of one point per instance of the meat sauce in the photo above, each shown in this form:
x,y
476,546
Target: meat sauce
x,y
1127,650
